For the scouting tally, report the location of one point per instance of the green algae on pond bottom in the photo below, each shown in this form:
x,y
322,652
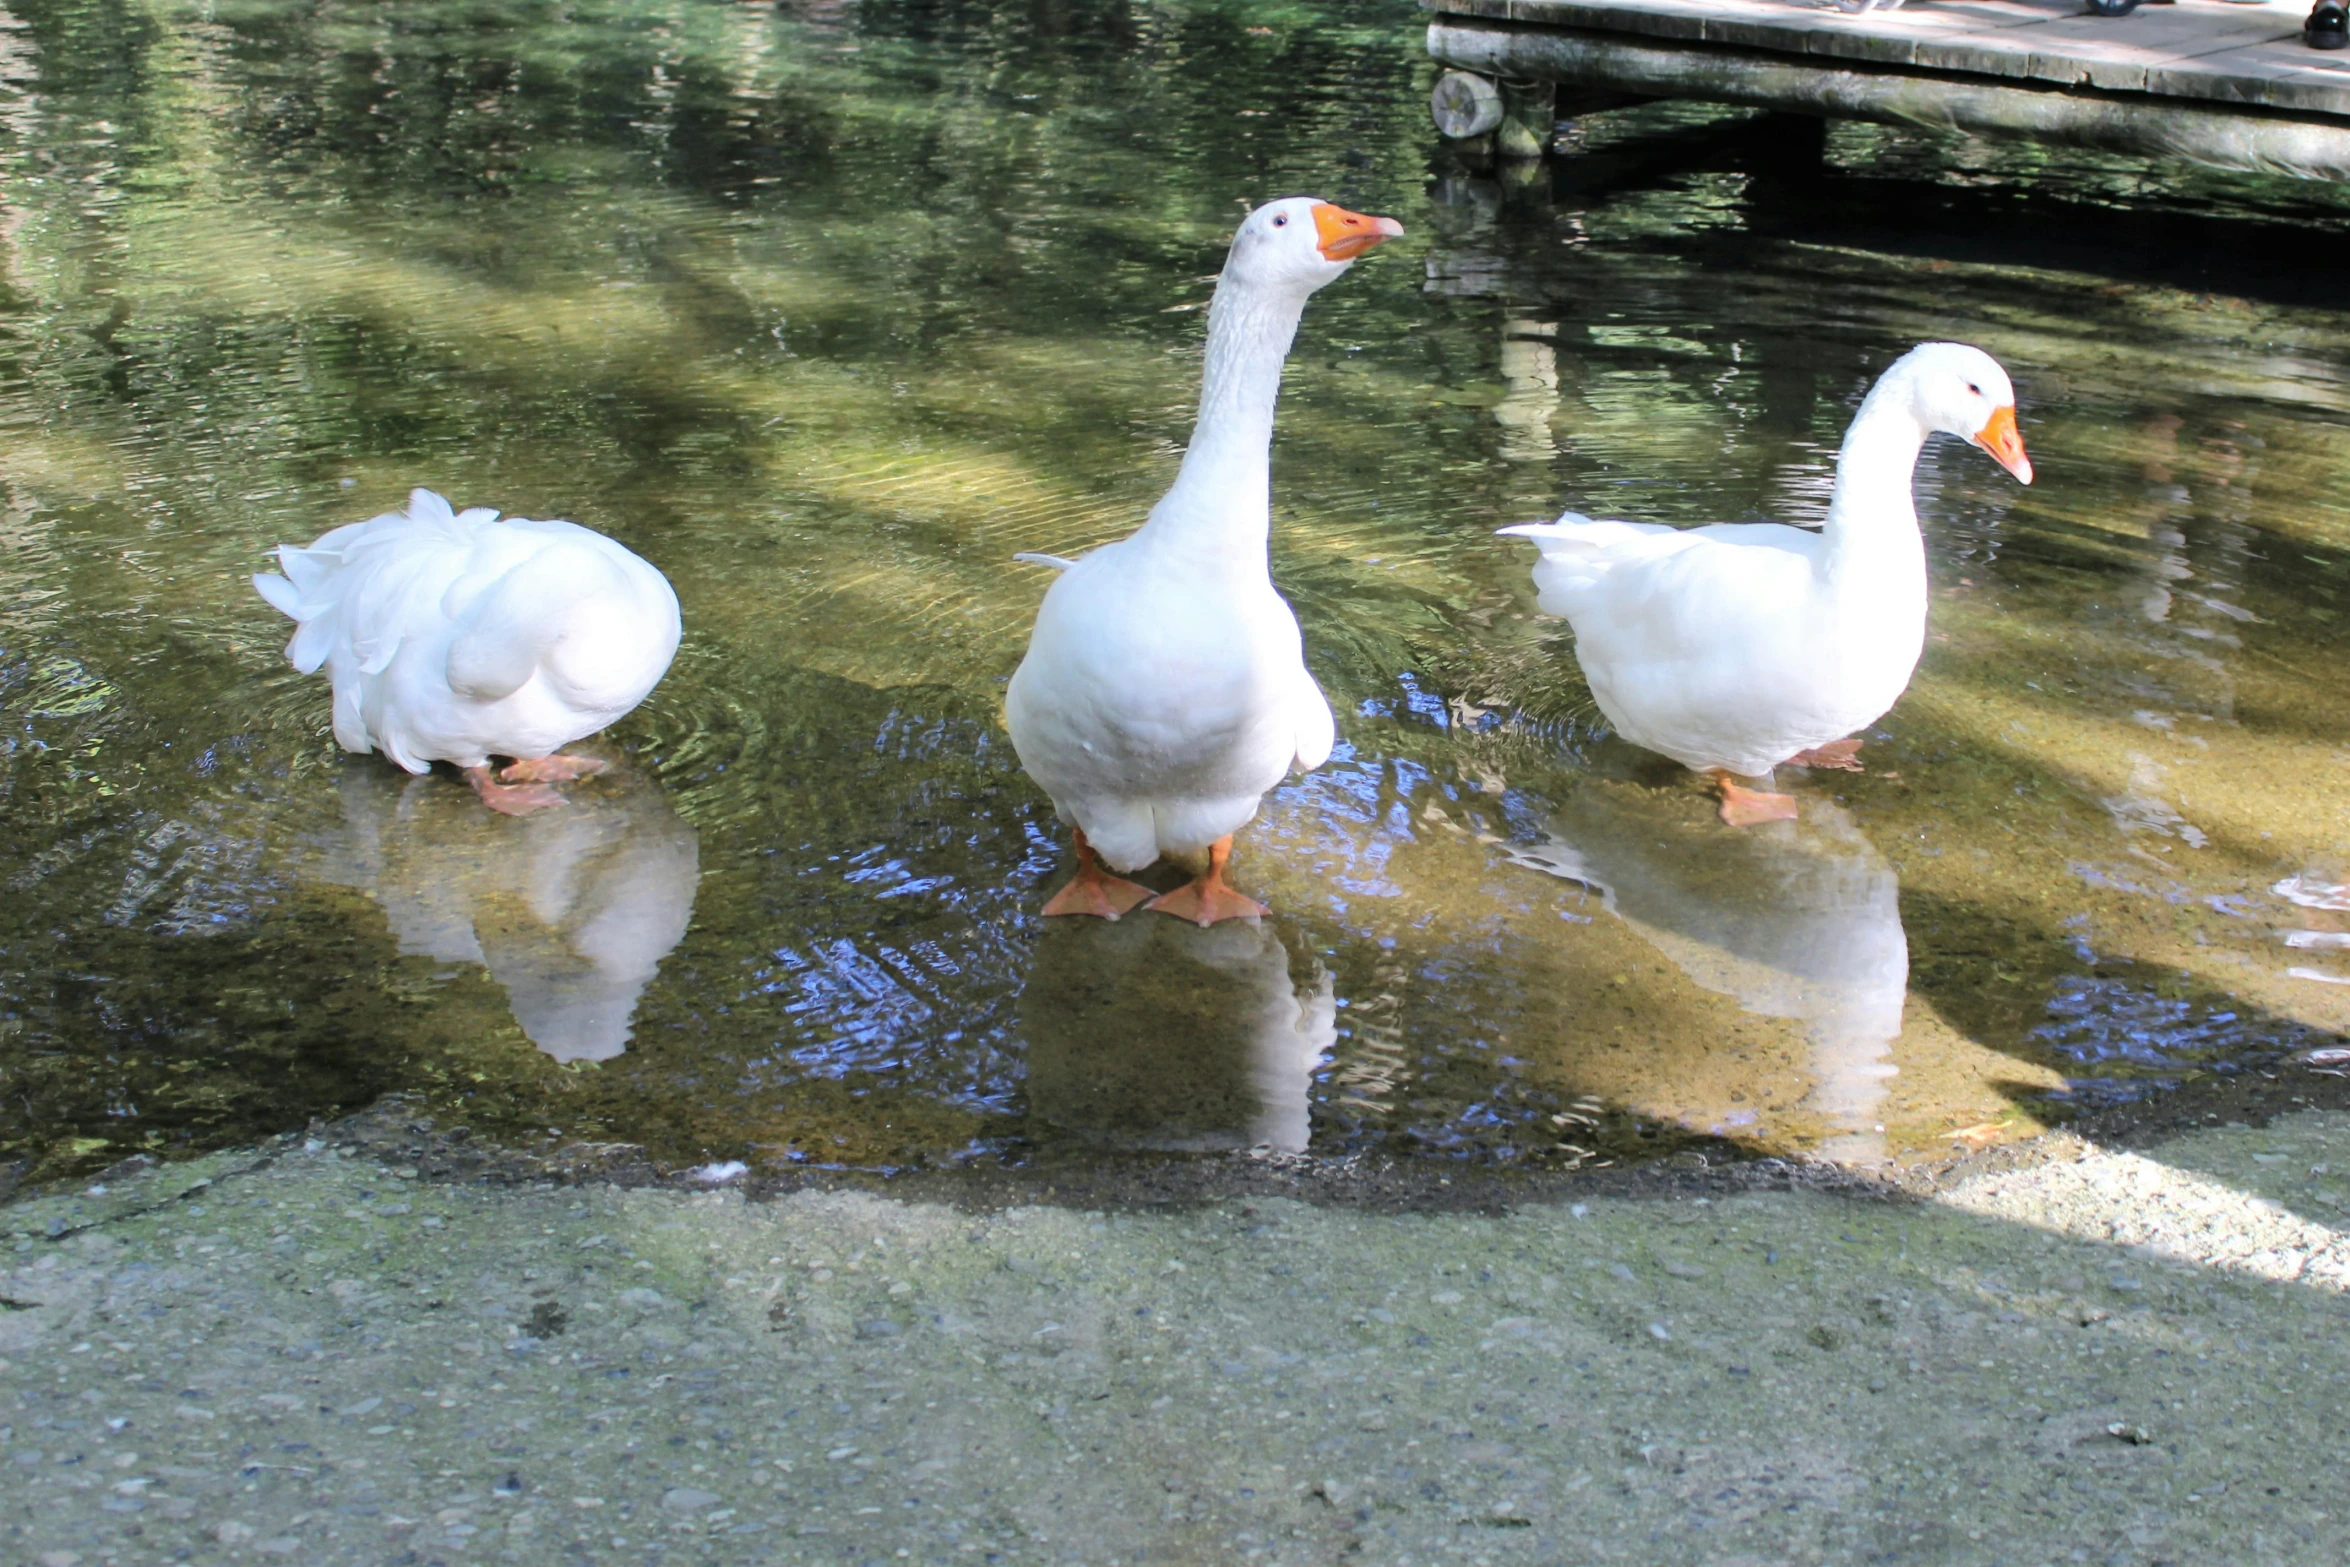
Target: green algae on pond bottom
x,y
829,312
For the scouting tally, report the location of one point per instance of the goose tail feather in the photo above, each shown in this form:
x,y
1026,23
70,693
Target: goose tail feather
x,y
1563,528
282,594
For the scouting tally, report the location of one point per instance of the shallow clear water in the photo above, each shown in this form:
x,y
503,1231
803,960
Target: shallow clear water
x,y
829,308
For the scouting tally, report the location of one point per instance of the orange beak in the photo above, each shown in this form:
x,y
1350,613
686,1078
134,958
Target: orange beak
x,y
1998,437
1346,235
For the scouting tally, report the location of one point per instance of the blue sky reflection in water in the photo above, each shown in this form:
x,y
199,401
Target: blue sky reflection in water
x,y
828,309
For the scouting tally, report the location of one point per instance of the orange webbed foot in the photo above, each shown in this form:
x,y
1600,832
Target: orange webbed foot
x,y
551,769
510,799
1744,807
1842,755
1209,898
1095,891
1204,903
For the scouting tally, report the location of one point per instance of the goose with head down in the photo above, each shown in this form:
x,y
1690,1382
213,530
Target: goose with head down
x,y
1738,647
459,636
1164,689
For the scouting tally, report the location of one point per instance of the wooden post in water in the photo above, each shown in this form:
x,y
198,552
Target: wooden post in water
x,y
1526,118
1513,117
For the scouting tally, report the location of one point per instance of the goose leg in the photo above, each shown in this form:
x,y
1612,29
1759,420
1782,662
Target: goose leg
x,y
1744,807
1095,891
519,799
1843,755
1210,898
551,769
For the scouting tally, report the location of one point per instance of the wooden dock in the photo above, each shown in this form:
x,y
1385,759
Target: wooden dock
x,y
2205,80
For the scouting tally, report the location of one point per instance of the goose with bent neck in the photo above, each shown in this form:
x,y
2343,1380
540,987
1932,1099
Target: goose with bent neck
x,y
1164,690
1738,647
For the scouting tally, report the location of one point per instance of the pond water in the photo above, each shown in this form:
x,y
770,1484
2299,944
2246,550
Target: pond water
x,y
828,308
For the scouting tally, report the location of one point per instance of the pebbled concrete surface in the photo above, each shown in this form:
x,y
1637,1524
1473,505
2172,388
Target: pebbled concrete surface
x,y
307,1354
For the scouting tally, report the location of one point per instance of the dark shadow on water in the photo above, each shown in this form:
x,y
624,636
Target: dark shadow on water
x,y
2125,1032
1151,1033
1795,193
2279,263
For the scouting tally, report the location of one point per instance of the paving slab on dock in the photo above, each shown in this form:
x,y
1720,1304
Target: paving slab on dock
x,y
303,1353
2209,50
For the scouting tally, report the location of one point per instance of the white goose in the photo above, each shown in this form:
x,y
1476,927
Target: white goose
x,y
1165,687
456,637
1739,646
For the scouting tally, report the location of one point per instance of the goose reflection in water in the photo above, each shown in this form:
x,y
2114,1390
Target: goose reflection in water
x,y
1150,1032
1795,919
571,910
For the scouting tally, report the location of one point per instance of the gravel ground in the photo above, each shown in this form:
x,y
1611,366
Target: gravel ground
x,y
308,1354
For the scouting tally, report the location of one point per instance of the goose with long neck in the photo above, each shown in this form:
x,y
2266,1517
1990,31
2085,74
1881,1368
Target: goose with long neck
x,y
1738,647
1165,689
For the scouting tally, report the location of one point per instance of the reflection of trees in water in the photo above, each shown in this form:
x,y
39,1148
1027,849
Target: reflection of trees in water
x,y
165,985
571,909
1376,1065
805,326
1705,368
638,259
1798,920
2183,629
1148,1032
663,265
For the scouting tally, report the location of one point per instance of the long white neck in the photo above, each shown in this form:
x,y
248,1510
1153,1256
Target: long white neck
x,y
1221,504
1872,516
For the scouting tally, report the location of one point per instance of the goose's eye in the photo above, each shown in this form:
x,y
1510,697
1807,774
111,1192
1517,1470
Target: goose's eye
x,y
1976,390
1281,220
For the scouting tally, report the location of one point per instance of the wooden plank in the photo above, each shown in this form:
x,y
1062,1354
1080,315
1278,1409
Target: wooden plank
x,y
2269,77
2250,65
1886,36
2197,49
2120,60
2174,32
2321,84
2165,127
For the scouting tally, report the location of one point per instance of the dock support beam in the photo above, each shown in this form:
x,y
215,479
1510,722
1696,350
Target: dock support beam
x,y
1511,117
1526,118
2235,138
